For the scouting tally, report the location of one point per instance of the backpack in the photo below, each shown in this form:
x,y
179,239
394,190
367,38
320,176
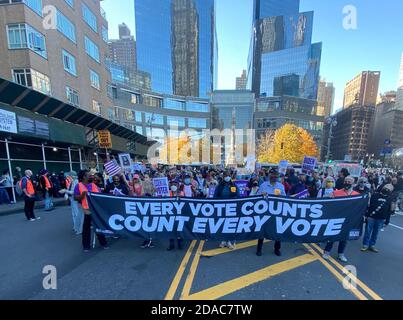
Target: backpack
x,y
18,188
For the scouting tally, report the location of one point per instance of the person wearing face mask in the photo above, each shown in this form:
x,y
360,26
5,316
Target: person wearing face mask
x,y
300,186
347,191
271,187
227,190
254,189
187,189
378,212
361,186
174,188
328,189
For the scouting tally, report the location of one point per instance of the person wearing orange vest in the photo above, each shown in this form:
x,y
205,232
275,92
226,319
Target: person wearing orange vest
x,y
29,196
80,195
347,191
46,187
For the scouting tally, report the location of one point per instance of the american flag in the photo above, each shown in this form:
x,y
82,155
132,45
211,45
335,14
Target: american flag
x,y
112,168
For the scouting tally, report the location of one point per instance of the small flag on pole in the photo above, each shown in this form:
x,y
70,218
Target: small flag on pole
x,y
302,195
112,168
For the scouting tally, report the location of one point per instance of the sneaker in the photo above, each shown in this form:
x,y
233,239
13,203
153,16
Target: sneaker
x,y
326,255
105,247
342,258
145,244
231,245
86,250
364,249
223,244
32,219
38,218
372,249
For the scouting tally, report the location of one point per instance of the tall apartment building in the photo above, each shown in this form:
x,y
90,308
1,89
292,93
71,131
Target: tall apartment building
x,y
399,96
352,133
362,90
240,83
123,50
177,45
326,93
60,53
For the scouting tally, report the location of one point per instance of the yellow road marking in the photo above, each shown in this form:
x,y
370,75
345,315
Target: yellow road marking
x,y
189,280
175,282
339,277
239,246
237,284
352,277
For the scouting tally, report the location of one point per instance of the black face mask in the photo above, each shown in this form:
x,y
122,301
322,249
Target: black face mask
x,y
385,192
348,186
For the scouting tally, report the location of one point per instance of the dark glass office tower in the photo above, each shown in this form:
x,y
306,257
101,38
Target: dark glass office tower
x,y
282,58
177,45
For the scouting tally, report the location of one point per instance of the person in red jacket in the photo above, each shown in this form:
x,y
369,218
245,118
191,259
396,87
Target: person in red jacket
x,y
347,191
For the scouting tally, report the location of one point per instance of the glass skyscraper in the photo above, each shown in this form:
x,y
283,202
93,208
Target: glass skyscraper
x,y
282,58
177,45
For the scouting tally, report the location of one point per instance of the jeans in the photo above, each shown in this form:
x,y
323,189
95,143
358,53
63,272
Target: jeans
x,y
342,247
4,198
371,231
77,215
48,201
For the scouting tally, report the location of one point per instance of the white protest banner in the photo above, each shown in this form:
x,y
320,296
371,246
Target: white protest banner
x,y
309,163
8,121
161,186
125,161
282,166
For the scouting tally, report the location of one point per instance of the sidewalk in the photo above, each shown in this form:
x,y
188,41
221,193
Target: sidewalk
x,y
7,209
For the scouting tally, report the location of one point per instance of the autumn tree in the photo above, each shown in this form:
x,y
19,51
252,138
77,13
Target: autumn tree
x,y
289,143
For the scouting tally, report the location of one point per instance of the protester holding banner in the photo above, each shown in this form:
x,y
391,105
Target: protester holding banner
x,y
174,194
187,188
227,190
345,192
300,186
137,185
377,215
118,187
271,187
148,186
328,189
80,195
254,188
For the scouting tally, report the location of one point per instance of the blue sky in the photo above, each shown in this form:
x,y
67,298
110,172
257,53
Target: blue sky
x,y
376,44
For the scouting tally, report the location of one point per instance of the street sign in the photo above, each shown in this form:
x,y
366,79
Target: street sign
x,y
104,139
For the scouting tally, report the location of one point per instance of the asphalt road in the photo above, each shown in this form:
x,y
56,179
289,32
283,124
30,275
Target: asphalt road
x,y
200,271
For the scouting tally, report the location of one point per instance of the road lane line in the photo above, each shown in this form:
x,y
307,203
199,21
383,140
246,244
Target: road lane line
x,y
339,277
189,280
393,225
239,246
175,282
239,283
352,277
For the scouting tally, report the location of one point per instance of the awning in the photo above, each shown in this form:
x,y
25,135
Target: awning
x,y
34,101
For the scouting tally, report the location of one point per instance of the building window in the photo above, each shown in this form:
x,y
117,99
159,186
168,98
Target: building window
x,y
95,80
154,119
90,18
176,121
72,96
174,104
32,79
35,5
69,63
139,117
96,107
23,36
197,123
105,34
129,115
91,48
65,26
70,3
197,107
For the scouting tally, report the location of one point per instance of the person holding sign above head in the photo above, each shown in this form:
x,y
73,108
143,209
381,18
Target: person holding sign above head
x,y
80,195
347,191
227,190
271,187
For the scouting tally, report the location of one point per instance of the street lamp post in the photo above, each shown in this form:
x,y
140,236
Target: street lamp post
x,y
333,123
